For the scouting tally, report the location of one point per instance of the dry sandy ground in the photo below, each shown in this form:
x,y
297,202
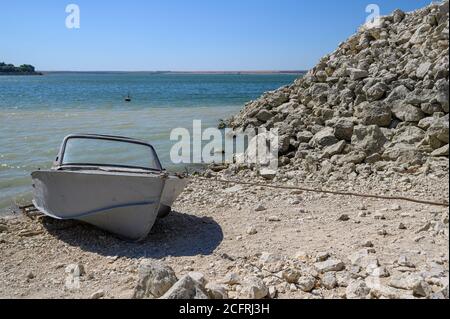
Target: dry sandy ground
x,y
209,233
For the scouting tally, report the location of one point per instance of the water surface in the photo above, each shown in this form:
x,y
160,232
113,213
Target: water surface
x,y
36,112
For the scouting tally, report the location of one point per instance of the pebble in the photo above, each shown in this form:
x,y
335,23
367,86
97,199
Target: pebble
x,y
329,280
252,230
231,279
322,256
98,294
382,232
254,288
367,244
306,283
329,265
291,275
260,208
343,218
357,290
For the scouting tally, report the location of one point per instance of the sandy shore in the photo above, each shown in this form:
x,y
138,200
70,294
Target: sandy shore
x,y
224,229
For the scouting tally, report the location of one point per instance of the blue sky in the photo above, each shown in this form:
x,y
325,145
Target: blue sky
x,y
184,35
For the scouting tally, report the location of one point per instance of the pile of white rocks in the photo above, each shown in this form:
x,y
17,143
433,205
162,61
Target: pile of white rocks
x,y
382,98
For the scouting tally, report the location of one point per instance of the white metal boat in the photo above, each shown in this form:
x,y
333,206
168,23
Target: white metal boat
x,y
114,183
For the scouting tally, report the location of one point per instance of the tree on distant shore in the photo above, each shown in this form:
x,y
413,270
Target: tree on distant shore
x,y
10,68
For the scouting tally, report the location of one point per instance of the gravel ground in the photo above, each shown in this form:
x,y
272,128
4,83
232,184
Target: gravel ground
x,y
222,230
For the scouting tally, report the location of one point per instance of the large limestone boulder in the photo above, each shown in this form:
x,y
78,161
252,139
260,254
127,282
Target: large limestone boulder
x,y
254,288
375,113
407,112
324,138
187,288
439,129
343,128
369,139
155,279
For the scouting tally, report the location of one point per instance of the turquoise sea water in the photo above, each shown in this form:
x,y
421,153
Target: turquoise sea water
x,y
36,112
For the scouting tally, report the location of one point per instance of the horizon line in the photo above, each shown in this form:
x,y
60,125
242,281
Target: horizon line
x,y
164,71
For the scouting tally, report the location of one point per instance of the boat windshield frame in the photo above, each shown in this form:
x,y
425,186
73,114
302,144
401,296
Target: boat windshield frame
x,y
60,159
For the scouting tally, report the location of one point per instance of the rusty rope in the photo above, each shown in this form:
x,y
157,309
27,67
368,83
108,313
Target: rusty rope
x,y
340,193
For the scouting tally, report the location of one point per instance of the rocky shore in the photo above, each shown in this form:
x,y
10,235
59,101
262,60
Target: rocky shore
x,y
370,118
380,100
231,241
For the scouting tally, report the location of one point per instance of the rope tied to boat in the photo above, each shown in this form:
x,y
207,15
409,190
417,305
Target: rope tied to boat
x,y
332,192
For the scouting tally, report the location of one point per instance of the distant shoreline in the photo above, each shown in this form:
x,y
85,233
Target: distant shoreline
x,y
181,72
20,73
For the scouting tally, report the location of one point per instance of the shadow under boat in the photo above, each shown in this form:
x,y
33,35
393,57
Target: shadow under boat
x,y
177,235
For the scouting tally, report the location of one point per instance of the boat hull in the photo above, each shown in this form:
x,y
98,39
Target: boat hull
x,y
125,204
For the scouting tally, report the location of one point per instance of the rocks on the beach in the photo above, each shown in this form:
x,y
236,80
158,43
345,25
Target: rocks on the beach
x,y
216,291
357,290
273,292
231,279
260,208
363,258
322,256
198,277
307,283
3,228
98,294
329,265
186,288
329,280
251,230
268,174
155,279
343,218
301,256
414,282
378,272
291,275
367,244
267,258
254,288
75,270
274,219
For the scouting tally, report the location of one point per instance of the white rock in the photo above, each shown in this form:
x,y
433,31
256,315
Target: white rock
x,y
216,291
252,230
306,283
231,279
363,258
357,290
412,282
322,256
186,288
155,279
269,258
329,265
260,208
254,288
291,275
199,277
98,294
273,292
329,280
